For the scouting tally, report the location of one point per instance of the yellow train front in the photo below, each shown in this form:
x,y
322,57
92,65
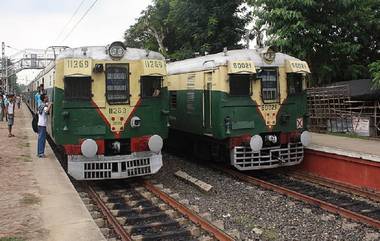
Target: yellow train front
x,y
109,112
246,107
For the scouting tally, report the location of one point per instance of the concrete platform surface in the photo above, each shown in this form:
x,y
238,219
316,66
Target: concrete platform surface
x,y
352,147
63,215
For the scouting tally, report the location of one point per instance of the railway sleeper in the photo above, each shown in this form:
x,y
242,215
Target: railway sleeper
x,y
370,211
156,225
139,202
191,231
130,204
146,217
131,211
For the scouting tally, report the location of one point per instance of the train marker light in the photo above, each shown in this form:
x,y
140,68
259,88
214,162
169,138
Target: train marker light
x,y
306,138
256,143
89,148
155,143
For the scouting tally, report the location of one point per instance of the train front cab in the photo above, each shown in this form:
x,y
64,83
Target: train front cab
x,y
279,93
107,128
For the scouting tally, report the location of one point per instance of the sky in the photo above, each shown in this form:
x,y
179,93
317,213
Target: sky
x,y
43,23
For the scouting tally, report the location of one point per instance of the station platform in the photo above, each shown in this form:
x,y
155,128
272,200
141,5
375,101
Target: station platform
x,y
350,161
38,201
352,147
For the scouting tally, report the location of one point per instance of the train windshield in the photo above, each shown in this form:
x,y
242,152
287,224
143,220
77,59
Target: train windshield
x,y
240,84
269,85
151,86
77,88
117,83
295,83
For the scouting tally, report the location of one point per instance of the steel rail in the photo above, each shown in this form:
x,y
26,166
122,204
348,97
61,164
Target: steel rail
x,y
375,196
219,234
299,196
110,218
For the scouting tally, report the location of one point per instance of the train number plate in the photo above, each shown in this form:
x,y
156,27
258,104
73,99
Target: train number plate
x,y
269,107
77,66
117,110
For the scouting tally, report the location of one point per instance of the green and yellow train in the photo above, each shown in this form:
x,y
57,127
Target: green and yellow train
x,y
110,110
246,107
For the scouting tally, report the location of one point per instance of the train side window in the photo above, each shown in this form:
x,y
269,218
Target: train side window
x,y
269,89
294,83
117,83
77,88
173,100
240,84
151,86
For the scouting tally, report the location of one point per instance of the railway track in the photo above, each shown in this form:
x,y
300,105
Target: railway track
x,y
328,183
138,210
141,211
326,198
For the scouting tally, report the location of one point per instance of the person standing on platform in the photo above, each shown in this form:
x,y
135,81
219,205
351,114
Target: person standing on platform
x,y
2,108
5,99
10,111
18,101
43,111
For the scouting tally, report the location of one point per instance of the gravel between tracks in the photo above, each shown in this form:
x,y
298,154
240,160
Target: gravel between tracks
x,y
257,213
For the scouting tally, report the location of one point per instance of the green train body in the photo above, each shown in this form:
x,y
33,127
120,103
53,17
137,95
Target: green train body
x,y
247,107
109,110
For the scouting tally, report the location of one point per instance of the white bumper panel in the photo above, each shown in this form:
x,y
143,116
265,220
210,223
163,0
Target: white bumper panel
x,y
114,167
244,159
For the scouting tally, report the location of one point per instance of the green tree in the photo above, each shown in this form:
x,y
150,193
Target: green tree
x,y
150,30
337,38
374,69
178,28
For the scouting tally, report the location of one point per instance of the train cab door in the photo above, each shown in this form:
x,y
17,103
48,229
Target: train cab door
x,y
207,91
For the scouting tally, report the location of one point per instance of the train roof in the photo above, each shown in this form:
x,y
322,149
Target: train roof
x,y
100,53
212,61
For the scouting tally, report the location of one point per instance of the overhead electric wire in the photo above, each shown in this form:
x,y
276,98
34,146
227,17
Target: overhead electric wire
x,y
83,16
71,18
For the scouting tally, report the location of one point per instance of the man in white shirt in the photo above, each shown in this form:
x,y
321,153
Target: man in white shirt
x,y
43,111
10,113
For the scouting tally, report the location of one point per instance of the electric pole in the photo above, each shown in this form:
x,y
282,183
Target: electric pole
x,y
4,69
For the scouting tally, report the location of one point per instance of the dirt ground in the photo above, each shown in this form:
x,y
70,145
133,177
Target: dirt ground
x,y
19,194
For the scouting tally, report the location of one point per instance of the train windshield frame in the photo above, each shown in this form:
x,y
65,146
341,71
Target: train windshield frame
x,y
269,85
117,84
240,84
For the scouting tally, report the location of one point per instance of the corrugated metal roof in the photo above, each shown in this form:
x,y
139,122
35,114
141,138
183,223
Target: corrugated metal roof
x,y
361,89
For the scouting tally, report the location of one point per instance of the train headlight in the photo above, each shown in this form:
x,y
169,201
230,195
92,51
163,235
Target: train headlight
x,y
116,50
256,143
135,122
89,148
306,138
155,143
271,138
